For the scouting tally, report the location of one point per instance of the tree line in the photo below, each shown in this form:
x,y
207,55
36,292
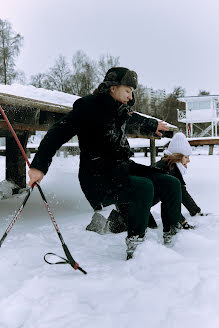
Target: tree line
x,y
81,77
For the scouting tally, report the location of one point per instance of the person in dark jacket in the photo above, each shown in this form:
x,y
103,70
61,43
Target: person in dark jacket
x,y
106,173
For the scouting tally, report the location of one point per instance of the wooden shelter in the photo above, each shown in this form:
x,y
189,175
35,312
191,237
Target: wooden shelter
x,y
29,115
26,116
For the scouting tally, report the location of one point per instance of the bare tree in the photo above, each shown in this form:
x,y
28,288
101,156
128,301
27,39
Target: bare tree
x,y
57,78
81,79
10,43
170,104
38,80
84,77
203,93
105,63
142,103
20,77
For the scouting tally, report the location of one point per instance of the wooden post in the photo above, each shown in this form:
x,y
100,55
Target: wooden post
x,y
65,151
146,151
15,162
153,151
28,153
211,149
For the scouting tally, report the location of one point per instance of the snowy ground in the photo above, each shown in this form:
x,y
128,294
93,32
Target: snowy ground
x,y
160,288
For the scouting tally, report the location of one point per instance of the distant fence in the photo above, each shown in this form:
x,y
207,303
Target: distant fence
x,y
146,150
74,150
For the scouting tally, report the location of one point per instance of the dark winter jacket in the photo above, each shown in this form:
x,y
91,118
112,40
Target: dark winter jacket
x,y
99,122
187,199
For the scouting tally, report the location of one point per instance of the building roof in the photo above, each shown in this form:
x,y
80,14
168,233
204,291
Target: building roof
x,y
184,99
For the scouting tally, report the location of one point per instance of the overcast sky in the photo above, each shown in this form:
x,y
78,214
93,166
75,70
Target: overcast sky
x,y
167,42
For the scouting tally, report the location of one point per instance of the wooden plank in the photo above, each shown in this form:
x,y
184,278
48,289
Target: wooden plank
x,y
22,115
4,130
141,136
202,142
34,121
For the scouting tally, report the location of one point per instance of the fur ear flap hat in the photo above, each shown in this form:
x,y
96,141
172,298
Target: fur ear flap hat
x,y
118,76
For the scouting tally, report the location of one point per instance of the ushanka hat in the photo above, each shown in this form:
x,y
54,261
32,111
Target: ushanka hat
x,y
179,144
119,76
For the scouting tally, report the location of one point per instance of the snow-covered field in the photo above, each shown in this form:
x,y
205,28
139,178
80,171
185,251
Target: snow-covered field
x,y
160,288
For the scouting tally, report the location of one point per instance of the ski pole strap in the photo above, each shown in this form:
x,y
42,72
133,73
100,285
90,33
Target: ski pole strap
x,y
65,261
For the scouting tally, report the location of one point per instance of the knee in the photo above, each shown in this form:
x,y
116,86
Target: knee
x,y
176,183
145,188
173,183
148,186
175,189
141,185
145,184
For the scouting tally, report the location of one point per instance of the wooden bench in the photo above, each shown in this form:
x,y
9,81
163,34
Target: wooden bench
x,y
209,141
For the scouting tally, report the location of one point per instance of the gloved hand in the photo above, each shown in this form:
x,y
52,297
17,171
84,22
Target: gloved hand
x,y
195,211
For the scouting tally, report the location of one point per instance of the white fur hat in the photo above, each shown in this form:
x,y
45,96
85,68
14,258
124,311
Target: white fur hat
x,y
179,144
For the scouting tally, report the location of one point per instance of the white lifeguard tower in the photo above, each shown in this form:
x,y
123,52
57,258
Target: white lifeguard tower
x,y
199,110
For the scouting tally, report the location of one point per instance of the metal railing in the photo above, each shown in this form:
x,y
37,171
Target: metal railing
x,y
181,114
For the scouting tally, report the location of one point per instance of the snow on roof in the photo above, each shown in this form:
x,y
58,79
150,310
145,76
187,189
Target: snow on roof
x,y
31,92
168,124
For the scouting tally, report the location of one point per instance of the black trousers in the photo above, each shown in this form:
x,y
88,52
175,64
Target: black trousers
x,y
167,189
187,201
137,200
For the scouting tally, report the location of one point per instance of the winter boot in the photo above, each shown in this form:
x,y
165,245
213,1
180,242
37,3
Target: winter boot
x,y
132,243
97,224
168,235
187,226
115,223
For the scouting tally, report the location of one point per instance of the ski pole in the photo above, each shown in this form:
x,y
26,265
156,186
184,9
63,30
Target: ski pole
x,y
16,216
70,259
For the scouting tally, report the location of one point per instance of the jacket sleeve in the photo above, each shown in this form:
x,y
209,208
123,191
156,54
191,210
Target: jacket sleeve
x,y
57,135
189,202
138,124
148,126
